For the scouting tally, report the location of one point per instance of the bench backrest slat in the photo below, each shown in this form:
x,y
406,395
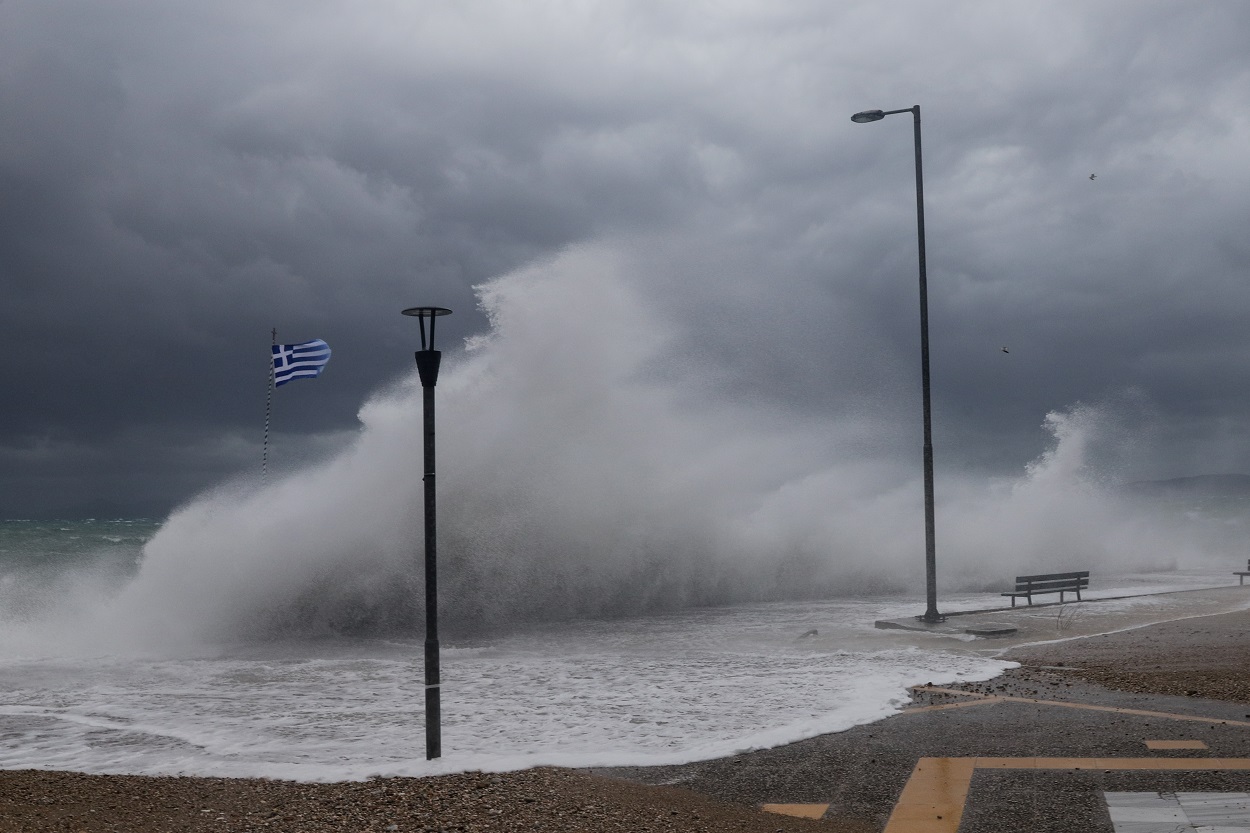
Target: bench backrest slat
x,y
1054,584
1048,576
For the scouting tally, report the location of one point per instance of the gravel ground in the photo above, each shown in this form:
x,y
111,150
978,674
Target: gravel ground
x,y
1194,667
1204,657
552,800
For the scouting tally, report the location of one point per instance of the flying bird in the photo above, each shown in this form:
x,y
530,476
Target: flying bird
x,y
1005,350
1093,176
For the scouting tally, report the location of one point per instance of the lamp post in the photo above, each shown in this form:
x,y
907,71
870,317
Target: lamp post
x,y
931,614
427,367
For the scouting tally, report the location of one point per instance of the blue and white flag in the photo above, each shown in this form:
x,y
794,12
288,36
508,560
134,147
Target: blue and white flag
x,y
305,360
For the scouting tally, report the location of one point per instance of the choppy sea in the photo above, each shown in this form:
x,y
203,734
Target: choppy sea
x,y
657,689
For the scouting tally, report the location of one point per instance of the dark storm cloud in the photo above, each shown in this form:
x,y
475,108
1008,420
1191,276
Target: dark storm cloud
x,y
176,180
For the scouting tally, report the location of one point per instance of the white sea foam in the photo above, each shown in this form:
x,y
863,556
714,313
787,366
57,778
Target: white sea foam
x,y
650,690
268,628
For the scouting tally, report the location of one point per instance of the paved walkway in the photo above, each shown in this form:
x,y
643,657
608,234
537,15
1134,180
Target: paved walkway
x,y
1032,752
935,796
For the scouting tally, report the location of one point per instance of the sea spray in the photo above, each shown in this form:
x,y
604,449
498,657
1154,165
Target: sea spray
x,y
580,475
274,629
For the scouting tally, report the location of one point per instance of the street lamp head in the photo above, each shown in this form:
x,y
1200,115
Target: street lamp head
x,y
422,313
867,116
426,312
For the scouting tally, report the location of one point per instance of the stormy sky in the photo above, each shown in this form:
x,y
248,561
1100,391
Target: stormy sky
x,y
177,179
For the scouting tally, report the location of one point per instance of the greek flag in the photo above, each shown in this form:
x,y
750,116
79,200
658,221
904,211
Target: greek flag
x,y
305,360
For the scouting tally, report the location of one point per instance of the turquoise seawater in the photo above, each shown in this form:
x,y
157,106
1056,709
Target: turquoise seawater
x,y
22,540
38,558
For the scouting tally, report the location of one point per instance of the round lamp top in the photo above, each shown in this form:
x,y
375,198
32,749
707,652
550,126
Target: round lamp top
x,y
867,116
427,312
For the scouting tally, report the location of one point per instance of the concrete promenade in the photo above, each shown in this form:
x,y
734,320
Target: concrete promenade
x,y
1117,732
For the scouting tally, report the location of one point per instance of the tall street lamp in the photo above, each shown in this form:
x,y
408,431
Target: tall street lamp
x,y
427,367
931,614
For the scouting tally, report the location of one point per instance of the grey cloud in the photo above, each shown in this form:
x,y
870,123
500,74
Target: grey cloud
x,y
179,179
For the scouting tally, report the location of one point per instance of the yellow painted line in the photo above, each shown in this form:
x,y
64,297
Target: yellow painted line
x,y
1138,763
944,706
954,691
803,811
1137,712
1175,744
1006,763
986,699
933,799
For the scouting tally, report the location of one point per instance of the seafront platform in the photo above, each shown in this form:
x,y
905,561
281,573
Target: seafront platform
x,y
1141,730
1054,619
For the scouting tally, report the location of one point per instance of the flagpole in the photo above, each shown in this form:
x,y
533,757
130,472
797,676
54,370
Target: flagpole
x,y
264,454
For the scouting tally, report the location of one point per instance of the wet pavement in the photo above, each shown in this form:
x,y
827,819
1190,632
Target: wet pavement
x,y
1039,749
1029,757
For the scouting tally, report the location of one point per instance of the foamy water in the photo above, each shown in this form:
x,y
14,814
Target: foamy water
x,y
647,690
583,477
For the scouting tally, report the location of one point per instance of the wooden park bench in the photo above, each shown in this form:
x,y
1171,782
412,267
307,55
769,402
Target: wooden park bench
x,y
1030,586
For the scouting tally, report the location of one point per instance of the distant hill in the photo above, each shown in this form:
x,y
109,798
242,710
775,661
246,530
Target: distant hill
x,y
1201,486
